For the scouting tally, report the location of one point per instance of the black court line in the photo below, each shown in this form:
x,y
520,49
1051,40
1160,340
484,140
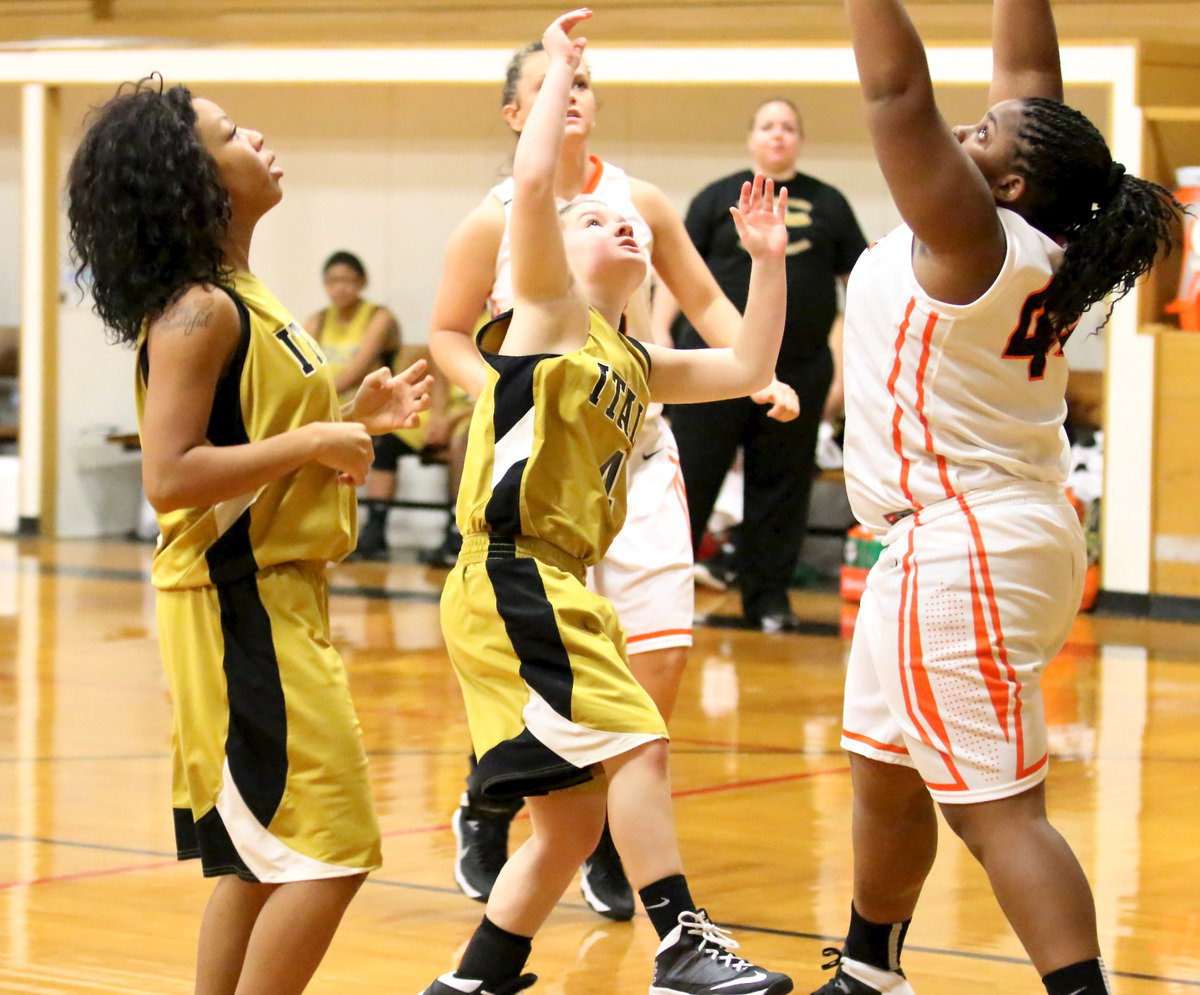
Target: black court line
x,y
143,577
579,906
798,935
105,847
964,954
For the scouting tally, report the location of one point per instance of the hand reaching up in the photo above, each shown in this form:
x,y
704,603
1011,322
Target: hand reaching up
x,y
557,39
759,218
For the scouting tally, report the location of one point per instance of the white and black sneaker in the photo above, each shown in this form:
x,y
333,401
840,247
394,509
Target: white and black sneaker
x,y
452,984
482,851
605,887
856,978
696,958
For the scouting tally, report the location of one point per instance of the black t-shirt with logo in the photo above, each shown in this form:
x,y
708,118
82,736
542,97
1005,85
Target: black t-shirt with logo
x,y
825,241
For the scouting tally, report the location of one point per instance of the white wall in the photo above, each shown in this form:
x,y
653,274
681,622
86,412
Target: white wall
x,y
388,172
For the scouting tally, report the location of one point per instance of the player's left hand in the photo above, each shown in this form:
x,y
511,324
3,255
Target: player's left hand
x,y
785,403
385,402
758,217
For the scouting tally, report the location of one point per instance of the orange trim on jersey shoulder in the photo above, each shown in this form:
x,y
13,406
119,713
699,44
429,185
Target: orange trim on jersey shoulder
x,y
887,747
593,180
657,635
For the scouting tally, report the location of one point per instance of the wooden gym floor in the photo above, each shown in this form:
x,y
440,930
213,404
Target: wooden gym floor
x,y
91,899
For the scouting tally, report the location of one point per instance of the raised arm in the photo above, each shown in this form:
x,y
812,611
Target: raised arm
x,y
1024,51
940,192
540,272
691,287
686,376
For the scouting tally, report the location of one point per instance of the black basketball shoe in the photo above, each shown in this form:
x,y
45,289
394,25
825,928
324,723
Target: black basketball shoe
x,y
605,886
696,958
482,849
856,978
452,984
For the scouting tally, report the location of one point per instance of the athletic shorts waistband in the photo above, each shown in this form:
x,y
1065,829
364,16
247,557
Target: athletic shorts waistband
x,y
480,546
1018,492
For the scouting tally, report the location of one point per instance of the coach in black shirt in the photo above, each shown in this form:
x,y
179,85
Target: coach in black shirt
x,y
825,242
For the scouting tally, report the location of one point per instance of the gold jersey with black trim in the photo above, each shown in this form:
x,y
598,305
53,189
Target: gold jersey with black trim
x,y
542,660
277,380
340,340
550,440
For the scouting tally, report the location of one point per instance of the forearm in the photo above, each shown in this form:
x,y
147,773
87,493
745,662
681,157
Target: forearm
x,y
1024,50
889,53
717,321
206,475
758,340
458,358
536,160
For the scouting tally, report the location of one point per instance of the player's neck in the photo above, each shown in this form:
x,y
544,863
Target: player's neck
x,y
574,168
349,311
236,245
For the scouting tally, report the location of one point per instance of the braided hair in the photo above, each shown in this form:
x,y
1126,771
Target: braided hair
x,y
1112,224
146,207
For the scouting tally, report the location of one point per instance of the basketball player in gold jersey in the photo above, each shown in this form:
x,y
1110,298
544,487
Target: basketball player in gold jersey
x,y
554,712
647,572
250,464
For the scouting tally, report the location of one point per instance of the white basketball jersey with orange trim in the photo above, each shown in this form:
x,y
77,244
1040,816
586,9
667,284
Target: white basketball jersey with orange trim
x,y
945,399
606,183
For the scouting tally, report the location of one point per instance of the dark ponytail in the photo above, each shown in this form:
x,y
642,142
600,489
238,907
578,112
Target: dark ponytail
x,y
1113,225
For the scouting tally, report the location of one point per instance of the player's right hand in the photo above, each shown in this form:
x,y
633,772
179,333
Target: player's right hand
x,y
344,446
557,41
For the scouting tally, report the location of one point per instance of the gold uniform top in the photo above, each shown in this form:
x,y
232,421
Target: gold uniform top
x,y
278,380
550,439
340,340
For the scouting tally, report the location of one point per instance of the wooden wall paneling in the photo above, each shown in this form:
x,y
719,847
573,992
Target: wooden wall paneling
x,y
1176,569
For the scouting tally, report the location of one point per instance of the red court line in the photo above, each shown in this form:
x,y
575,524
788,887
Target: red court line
x,y
726,745
758,782
79,875
440,828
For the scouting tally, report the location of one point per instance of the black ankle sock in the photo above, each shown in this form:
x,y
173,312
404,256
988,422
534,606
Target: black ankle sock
x,y
1085,978
875,943
494,954
665,900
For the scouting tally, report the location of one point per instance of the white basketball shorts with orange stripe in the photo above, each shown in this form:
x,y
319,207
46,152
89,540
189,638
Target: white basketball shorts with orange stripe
x,y
970,599
647,572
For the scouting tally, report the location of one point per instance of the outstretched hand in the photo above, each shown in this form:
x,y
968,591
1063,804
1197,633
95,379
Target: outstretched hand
x,y
385,403
759,218
557,39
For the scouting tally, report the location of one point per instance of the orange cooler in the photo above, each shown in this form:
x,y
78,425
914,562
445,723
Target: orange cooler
x,y
1187,302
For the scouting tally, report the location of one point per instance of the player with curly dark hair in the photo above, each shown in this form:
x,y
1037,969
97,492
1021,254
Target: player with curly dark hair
x,y
956,457
250,464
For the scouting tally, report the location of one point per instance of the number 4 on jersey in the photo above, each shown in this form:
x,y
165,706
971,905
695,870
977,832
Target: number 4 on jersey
x,y
609,470
1035,337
